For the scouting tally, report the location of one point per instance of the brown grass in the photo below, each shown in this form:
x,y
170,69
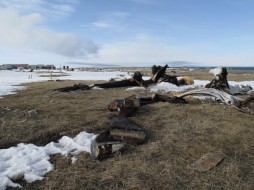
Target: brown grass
x,y
179,135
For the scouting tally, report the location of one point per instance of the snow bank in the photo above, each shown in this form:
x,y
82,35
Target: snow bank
x,y
9,79
84,75
136,88
165,86
6,89
31,162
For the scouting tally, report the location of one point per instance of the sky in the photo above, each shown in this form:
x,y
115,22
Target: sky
x,y
127,32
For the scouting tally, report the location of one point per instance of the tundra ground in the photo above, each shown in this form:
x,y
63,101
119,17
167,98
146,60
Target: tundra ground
x,y
178,136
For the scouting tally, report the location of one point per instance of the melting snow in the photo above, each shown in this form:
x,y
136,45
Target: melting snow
x,y
216,71
165,86
31,162
9,79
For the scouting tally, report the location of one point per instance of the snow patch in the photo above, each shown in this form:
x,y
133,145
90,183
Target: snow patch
x,y
136,88
31,162
9,79
165,86
216,71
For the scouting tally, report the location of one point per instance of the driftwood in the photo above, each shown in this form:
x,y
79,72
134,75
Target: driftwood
x,y
126,130
112,141
159,75
136,80
104,146
127,106
116,84
173,99
220,82
75,87
236,102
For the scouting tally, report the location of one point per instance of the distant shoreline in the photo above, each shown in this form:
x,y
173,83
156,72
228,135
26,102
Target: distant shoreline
x,y
229,68
172,67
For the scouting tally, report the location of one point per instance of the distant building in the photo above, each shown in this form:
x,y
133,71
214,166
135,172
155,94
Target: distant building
x,y
49,67
21,66
35,66
7,67
67,68
25,66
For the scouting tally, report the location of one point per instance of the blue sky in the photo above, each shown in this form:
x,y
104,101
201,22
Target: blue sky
x,y
127,32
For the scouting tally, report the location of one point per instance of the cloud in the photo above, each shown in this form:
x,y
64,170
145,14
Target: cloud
x,y
141,49
50,9
83,64
101,24
114,21
24,32
149,2
145,50
119,14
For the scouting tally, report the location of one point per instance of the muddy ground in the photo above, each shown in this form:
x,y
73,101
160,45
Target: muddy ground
x,y
178,136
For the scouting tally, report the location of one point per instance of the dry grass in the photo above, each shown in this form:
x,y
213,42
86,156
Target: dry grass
x,y
179,135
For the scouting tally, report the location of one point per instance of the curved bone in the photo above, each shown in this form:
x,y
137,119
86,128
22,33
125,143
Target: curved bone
x,y
238,103
219,95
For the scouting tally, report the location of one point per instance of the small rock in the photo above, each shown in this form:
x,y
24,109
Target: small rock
x,y
207,162
31,113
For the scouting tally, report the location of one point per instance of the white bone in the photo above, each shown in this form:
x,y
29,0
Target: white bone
x,y
219,95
